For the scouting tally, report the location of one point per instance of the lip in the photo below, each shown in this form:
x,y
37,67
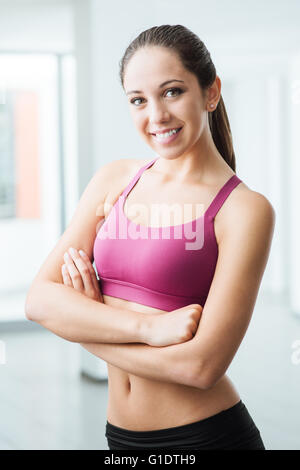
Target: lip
x,y
167,140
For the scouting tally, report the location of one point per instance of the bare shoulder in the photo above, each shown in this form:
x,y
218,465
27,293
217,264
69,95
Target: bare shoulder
x,y
119,173
252,202
130,165
115,168
81,230
247,208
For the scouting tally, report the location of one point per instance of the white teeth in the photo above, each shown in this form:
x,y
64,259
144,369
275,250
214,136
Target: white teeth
x,y
167,134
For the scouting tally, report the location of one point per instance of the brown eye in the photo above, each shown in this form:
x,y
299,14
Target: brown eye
x,y
177,91
134,100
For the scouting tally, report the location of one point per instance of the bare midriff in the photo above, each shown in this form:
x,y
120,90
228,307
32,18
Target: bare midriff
x,y
140,404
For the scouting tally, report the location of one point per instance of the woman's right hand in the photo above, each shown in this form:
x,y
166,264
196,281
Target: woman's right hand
x,y
177,326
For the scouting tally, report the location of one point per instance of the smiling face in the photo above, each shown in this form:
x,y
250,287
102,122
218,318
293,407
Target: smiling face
x,y
157,106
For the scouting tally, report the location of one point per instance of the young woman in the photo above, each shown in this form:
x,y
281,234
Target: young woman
x,y
170,309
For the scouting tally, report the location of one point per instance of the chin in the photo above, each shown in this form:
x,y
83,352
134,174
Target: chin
x,y
169,154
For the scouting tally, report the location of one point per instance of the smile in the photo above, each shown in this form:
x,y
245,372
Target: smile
x,y
167,137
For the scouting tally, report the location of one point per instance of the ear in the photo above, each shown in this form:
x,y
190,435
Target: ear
x,y
213,93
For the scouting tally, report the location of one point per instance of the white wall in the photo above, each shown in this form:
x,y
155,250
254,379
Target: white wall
x,y
38,25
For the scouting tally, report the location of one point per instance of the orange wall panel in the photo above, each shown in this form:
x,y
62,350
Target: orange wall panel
x,y
26,154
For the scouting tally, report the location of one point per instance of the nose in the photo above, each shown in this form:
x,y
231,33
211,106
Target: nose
x,y
158,113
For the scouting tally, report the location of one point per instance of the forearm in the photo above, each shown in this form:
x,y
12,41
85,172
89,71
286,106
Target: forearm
x,y
75,317
173,364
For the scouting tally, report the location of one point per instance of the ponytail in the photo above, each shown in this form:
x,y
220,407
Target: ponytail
x,y
221,133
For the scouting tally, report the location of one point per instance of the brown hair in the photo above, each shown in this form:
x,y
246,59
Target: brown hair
x,y
196,58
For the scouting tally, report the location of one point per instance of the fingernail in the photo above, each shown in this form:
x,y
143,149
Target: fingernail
x,y
82,252
64,268
72,251
66,256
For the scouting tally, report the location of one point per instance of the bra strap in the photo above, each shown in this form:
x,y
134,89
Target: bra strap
x,y
222,196
136,177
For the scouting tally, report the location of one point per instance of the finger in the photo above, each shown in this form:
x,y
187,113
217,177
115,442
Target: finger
x,y
66,276
91,269
95,281
83,270
73,272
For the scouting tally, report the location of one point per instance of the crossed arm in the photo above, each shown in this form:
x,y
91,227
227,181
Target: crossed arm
x,y
165,364
202,361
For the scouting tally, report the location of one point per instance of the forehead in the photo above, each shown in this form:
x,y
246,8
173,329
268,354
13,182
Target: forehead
x,y
151,66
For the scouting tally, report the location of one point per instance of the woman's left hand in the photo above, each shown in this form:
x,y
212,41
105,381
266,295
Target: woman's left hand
x,y
78,272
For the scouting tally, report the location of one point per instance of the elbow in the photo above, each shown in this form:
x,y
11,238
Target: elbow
x,y
203,383
31,306
193,375
29,310
203,378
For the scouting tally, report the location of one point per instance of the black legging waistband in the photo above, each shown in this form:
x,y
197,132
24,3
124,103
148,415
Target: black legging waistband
x,y
231,427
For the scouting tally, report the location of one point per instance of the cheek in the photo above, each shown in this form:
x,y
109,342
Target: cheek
x,y
193,106
195,116
138,120
188,110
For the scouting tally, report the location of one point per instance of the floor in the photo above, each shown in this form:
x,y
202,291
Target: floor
x,y
46,403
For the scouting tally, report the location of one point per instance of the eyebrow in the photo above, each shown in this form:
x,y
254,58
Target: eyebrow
x,y
160,86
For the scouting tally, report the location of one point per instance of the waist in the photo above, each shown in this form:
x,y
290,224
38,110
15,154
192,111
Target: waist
x,y
141,404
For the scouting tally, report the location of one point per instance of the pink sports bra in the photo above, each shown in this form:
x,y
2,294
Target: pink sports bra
x,y
162,267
